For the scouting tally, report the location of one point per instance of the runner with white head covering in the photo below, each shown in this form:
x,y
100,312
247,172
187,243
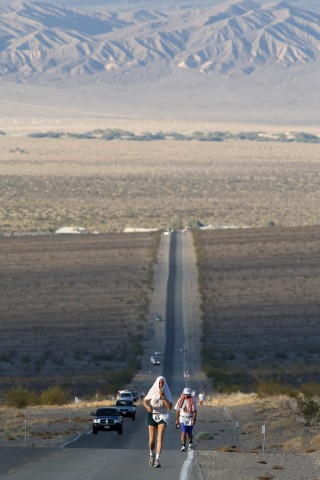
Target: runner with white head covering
x,y
157,402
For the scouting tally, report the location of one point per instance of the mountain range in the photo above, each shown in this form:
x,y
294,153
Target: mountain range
x,y
246,43
52,43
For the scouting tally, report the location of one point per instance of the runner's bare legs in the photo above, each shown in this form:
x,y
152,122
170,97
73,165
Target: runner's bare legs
x,y
152,437
161,429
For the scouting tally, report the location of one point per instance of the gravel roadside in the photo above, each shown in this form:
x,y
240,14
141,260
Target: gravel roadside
x,y
250,466
291,450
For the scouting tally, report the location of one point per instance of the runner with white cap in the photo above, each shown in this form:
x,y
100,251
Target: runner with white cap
x,y
186,414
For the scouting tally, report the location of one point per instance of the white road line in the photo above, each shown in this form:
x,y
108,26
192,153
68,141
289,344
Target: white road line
x,y
75,439
186,465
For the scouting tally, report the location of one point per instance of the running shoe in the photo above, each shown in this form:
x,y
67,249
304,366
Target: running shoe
x,y
183,448
151,460
190,447
157,464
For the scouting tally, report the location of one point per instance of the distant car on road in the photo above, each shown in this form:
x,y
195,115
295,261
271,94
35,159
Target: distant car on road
x,y
158,317
157,353
107,418
155,361
126,395
126,408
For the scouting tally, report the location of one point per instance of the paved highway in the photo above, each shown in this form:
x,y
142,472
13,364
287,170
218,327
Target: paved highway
x,y
112,456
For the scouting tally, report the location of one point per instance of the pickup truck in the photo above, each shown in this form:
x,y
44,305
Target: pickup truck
x,y
107,418
126,408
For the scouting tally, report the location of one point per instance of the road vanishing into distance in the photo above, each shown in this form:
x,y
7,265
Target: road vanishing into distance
x,y
108,455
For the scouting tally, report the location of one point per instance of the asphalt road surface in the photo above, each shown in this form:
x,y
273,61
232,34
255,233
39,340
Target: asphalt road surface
x,y
111,456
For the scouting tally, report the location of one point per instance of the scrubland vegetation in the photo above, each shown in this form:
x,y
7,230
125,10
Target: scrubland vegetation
x,y
118,134
260,307
74,309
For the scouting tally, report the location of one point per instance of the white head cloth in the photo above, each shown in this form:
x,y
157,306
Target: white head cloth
x,y
154,390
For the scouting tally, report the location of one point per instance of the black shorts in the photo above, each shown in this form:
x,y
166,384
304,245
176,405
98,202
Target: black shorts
x,y
152,423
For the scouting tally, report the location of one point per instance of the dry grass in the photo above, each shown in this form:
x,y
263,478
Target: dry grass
x,y
107,186
285,430
45,426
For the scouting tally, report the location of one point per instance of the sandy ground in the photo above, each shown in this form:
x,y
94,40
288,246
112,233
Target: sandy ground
x,y
228,466
51,183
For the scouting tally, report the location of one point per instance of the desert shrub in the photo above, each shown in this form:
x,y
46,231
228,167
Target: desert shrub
x,y
116,134
20,397
26,358
306,137
248,136
46,135
87,136
179,136
281,355
102,357
7,357
210,137
267,387
311,389
112,135
309,408
54,395
228,380
194,223
115,379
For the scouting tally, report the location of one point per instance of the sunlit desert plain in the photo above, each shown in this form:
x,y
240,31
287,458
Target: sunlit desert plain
x,y
106,186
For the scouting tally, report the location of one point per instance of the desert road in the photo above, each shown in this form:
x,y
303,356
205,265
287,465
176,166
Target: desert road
x,y
112,456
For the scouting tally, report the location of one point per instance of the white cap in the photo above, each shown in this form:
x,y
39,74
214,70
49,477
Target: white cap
x,y
187,391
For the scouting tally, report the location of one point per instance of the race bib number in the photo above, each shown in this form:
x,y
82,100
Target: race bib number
x,y
187,421
157,417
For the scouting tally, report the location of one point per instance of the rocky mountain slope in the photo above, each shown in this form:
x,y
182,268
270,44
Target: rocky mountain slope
x,y
40,41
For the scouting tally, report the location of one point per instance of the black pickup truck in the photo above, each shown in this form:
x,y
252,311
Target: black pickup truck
x,y
107,418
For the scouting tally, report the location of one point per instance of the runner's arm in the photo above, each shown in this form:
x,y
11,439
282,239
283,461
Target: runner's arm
x,y
146,404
